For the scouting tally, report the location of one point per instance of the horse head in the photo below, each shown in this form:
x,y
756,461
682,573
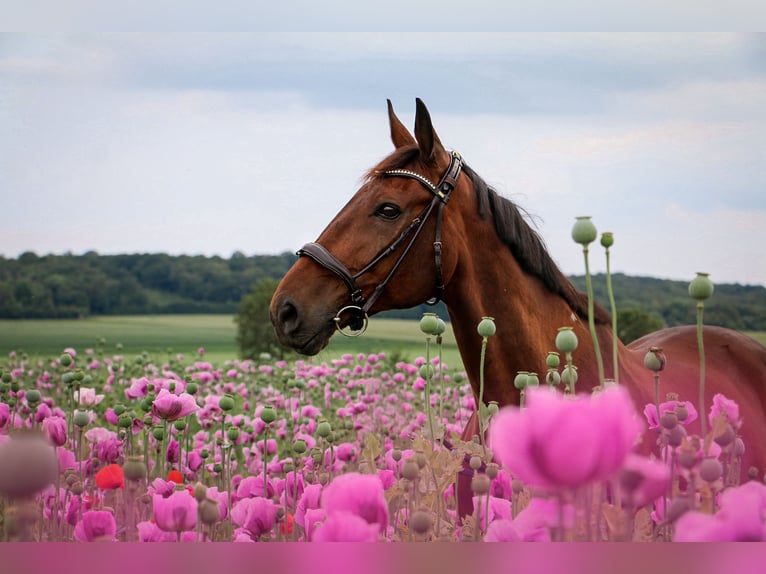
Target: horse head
x,y
382,250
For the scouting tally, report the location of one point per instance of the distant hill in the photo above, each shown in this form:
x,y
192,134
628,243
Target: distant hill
x,y
66,286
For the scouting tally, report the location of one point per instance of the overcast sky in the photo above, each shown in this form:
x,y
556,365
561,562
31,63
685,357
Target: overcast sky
x,y
212,143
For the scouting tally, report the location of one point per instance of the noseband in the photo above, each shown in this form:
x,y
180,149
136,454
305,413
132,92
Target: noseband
x,y
360,307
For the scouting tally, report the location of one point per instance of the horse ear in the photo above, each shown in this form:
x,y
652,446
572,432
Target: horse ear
x,y
399,134
428,142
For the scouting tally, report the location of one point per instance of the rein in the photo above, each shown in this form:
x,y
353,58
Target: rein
x,y
360,306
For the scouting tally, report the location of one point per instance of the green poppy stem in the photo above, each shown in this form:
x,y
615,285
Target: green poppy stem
x,y
701,348
613,309
591,319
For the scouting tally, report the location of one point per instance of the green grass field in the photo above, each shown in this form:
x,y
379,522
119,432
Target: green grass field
x,y
156,334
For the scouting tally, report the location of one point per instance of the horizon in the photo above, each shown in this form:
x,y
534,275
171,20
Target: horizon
x,y
254,255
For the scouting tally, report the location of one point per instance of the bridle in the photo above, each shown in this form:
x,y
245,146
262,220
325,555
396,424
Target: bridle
x,y
360,306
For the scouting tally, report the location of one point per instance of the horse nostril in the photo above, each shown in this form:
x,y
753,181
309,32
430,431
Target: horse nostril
x,y
287,315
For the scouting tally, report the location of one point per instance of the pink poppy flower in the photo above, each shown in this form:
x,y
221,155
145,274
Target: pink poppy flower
x,y
5,414
643,480
741,518
499,509
650,412
725,407
309,500
345,527
359,494
222,498
255,515
172,407
252,486
96,525
87,397
176,513
148,531
559,442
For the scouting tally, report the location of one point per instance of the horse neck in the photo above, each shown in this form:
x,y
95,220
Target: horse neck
x,y
527,316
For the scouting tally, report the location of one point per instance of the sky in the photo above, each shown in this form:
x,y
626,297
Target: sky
x,y
211,143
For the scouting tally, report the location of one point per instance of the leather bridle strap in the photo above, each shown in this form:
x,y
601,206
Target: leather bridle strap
x,y
361,307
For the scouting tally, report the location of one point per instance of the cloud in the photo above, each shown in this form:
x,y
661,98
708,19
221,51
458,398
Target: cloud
x,y
210,143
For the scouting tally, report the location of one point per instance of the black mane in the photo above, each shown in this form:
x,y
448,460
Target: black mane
x,y
513,230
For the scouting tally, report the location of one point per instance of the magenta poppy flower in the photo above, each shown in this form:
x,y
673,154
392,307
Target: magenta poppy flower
x,y
560,442
96,526
345,527
309,500
176,513
172,407
255,515
55,429
359,494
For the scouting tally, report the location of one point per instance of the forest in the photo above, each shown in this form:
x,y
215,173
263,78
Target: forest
x,y
71,286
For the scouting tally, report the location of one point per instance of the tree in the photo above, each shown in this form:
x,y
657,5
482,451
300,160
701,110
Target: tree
x,y
633,324
255,334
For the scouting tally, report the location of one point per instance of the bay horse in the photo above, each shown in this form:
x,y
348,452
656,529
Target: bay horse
x,y
403,239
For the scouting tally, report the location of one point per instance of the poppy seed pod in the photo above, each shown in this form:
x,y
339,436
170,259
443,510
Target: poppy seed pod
x,y
486,327
81,418
607,239
323,429
28,464
710,469
420,521
226,402
410,469
584,231
701,287
654,360
429,323
134,468
268,414
553,360
520,381
566,340
480,484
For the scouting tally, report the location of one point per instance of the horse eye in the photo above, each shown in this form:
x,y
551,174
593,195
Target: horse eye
x,y
388,211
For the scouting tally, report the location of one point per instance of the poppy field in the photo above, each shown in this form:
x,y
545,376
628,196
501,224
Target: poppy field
x,y
96,446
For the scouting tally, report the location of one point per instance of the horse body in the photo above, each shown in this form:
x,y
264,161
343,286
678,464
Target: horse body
x,y
493,264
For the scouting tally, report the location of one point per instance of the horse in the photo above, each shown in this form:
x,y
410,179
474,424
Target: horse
x,y
402,240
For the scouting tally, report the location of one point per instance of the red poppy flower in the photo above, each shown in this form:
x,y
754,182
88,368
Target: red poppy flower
x,y
175,476
110,477
287,524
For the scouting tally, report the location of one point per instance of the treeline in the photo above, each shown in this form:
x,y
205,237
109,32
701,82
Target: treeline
x,y
741,307
70,286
